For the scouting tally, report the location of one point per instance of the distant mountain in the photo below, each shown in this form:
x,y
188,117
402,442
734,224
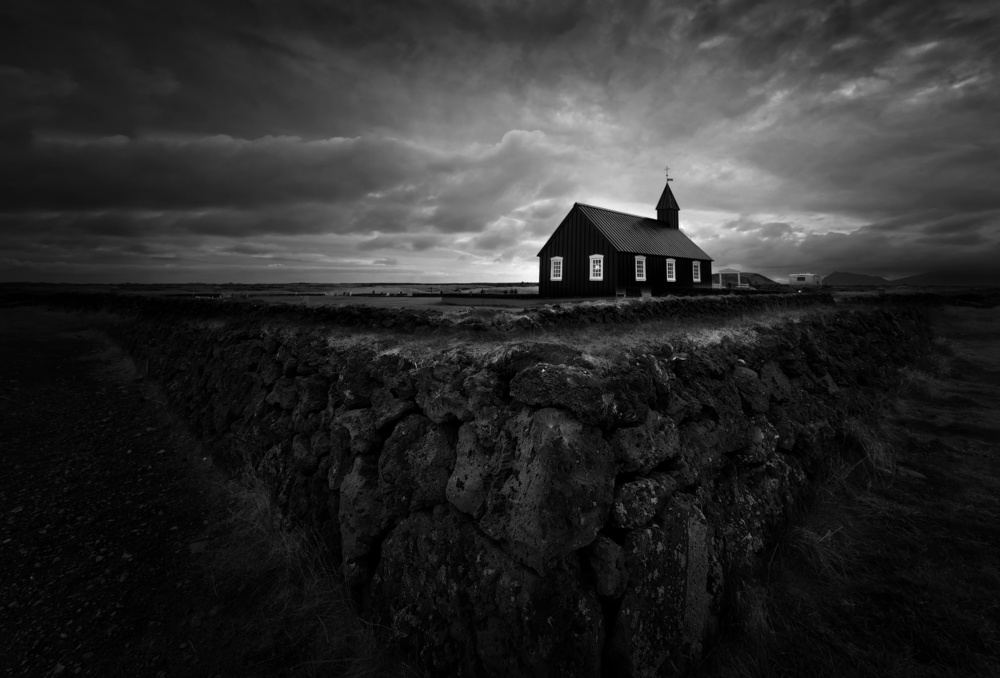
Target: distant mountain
x,y
933,279
752,279
842,278
951,279
758,280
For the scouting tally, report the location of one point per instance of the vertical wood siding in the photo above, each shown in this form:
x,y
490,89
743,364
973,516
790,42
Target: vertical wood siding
x,y
669,217
575,240
656,273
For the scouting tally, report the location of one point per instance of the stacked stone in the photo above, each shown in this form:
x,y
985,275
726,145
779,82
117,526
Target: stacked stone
x,y
543,514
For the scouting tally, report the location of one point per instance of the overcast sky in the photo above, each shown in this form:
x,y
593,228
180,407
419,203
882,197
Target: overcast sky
x,y
444,140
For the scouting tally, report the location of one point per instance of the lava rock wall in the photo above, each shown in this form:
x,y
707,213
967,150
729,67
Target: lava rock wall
x,y
536,512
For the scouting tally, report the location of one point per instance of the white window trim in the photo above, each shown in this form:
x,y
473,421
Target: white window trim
x,y
696,271
593,258
640,259
671,266
552,269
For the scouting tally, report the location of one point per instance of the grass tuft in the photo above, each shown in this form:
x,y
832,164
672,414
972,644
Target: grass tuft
x,y
878,456
753,611
826,553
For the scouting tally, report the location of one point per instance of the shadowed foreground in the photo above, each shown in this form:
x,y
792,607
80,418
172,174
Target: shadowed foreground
x,y
123,553
896,570
121,557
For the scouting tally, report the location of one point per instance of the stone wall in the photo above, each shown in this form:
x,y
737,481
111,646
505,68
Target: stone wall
x,y
534,512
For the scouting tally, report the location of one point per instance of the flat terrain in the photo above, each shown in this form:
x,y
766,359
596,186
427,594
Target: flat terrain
x,y
309,295
101,517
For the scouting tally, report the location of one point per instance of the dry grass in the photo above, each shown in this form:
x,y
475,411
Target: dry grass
x,y
635,339
601,345
754,616
297,619
877,456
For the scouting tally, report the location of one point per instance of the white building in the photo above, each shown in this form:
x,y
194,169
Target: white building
x,y
718,283
804,279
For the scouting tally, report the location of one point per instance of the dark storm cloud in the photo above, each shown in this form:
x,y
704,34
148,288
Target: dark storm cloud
x,y
943,223
872,249
966,239
226,186
213,172
408,243
408,129
882,123
28,86
315,69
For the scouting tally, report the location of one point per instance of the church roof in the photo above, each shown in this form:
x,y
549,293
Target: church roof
x,y
640,235
667,200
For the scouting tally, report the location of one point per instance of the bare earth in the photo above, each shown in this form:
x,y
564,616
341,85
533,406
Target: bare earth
x,y
105,511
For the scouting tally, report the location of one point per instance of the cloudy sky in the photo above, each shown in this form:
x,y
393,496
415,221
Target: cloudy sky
x,y
444,140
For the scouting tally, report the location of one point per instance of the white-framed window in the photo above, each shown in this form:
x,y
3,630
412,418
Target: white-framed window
x,y
640,267
555,269
597,267
671,270
696,271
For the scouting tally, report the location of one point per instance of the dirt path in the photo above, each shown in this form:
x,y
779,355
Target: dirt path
x,y
104,513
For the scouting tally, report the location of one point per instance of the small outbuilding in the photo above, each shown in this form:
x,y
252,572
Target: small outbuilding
x,y
804,279
597,252
729,281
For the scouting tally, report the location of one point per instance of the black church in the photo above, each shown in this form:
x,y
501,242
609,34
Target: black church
x,y
596,252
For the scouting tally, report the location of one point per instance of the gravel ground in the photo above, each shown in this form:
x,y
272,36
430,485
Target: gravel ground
x,y
105,510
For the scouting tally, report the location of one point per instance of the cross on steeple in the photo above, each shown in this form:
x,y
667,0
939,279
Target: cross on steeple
x,y
667,208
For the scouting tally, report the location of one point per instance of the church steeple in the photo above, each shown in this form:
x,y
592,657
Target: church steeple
x,y
667,209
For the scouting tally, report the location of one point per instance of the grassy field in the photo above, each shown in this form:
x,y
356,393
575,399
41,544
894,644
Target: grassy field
x,y
310,295
602,346
896,569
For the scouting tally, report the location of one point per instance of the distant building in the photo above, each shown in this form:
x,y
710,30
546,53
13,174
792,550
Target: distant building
x,y
596,252
719,282
804,279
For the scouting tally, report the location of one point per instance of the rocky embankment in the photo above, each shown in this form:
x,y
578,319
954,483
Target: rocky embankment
x,y
532,510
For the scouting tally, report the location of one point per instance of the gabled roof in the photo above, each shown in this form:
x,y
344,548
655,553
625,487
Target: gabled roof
x,y
667,200
640,235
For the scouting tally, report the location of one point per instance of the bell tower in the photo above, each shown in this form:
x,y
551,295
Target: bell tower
x,y
667,209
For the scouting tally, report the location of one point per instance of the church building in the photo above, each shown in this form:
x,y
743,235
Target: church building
x,y
596,252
